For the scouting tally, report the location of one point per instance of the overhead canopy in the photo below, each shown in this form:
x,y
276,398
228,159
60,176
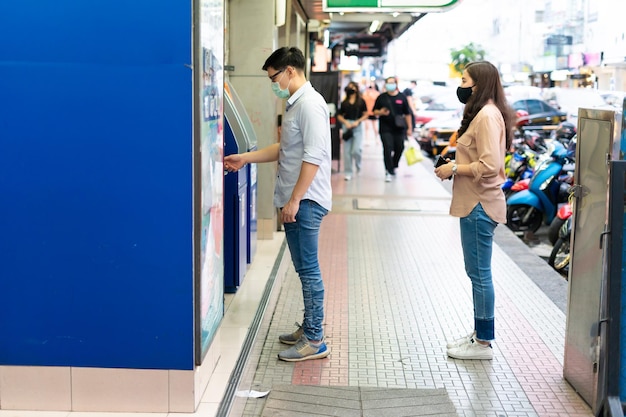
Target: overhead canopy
x,y
384,19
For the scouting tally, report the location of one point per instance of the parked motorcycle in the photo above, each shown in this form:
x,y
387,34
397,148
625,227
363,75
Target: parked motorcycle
x,y
534,140
519,165
548,187
563,213
565,132
560,256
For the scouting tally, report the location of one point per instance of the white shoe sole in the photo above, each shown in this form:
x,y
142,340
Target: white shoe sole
x,y
482,357
466,352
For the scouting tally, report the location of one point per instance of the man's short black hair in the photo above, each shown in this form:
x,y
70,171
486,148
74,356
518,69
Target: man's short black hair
x,y
286,56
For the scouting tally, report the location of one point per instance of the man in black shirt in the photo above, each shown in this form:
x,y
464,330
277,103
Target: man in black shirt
x,y
394,115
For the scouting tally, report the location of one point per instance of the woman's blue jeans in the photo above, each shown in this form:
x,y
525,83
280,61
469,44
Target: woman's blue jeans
x,y
477,241
302,238
352,150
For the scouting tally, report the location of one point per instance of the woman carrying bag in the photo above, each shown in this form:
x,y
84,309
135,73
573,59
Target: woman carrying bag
x,y
351,113
394,115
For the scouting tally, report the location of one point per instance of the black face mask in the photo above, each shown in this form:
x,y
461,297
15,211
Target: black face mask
x,y
464,93
350,91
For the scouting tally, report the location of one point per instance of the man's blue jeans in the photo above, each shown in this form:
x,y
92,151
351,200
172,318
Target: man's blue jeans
x,y
302,238
477,241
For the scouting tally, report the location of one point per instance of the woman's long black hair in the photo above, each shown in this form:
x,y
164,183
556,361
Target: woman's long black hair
x,y
488,87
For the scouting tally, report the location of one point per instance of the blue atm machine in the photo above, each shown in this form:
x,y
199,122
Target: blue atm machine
x,y
240,193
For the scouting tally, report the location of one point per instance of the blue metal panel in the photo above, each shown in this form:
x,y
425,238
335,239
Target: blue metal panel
x,y
235,220
622,376
96,180
622,379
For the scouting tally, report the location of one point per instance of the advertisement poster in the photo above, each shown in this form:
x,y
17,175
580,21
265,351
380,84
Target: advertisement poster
x,y
211,55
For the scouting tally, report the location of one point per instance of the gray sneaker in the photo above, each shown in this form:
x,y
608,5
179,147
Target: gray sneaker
x,y
292,338
304,350
460,341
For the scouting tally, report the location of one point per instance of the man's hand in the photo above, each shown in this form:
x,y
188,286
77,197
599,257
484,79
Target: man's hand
x,y
289,211
234,162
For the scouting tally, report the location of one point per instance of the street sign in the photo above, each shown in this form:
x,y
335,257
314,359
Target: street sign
x,y
366,46
388,6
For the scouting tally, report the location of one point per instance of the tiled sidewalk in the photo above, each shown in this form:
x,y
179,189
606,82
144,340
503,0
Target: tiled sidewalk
x,y
396,290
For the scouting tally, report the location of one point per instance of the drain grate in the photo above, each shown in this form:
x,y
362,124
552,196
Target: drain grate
x,y
304,400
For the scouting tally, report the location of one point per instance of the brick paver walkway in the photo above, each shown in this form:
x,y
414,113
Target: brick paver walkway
x,y
396,290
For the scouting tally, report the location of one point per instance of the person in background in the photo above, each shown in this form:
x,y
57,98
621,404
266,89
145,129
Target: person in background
x,y
352,113
485,134
408,93
388,105
302,191
370,95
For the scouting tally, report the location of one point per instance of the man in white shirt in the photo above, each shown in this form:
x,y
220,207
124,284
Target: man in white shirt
x,y
303,190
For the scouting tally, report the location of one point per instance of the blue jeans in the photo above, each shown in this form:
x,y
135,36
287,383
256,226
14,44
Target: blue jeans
x,y
477,242
352,150
302,238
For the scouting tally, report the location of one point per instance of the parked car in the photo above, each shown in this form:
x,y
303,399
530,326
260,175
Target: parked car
x,y
614,98
519,92
441,107
569,100
435,135
537,115
426,93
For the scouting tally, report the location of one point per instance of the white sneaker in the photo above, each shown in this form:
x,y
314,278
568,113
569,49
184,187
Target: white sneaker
x,y
348,177
460,341
388,177
472,350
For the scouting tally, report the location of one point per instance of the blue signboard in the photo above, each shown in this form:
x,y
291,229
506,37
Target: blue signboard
x,y
95,174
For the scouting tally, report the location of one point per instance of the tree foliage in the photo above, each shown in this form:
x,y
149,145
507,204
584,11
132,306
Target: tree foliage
x,y
469,53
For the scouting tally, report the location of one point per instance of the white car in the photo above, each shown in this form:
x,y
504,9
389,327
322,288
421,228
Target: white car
x,y
520,92
570,100
614,98
441,107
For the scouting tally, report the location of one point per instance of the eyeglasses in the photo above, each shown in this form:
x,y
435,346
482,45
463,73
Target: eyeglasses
x,y
272,77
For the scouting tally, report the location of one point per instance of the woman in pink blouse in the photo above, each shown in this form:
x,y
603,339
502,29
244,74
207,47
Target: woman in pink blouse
x,y
485,134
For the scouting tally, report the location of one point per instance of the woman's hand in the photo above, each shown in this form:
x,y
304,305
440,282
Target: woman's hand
x,y
443,172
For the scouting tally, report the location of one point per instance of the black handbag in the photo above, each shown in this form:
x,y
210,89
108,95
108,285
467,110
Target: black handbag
x,y
348,134
398,119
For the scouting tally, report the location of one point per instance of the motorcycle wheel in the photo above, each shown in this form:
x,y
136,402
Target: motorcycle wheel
x,y
516,212
553,230
560,256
